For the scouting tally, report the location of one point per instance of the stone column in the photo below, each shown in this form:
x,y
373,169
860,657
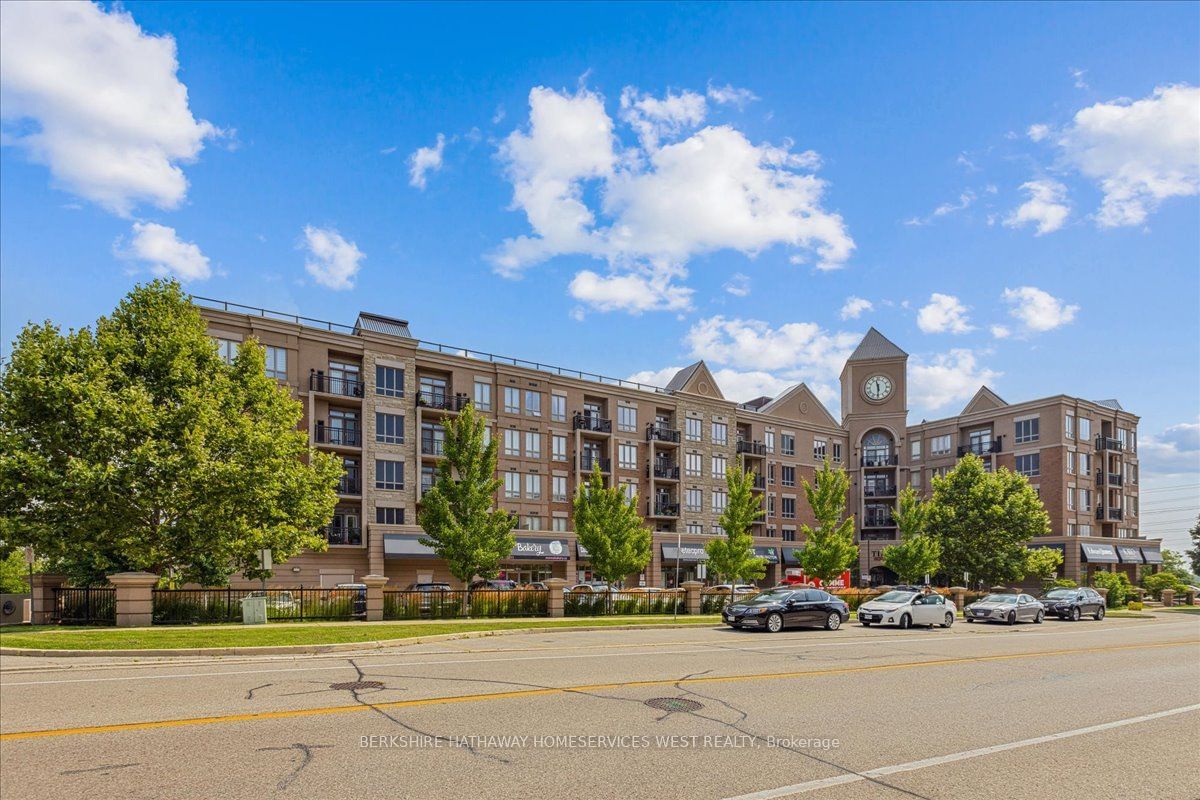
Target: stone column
x,y
691,593
1189,597
1140,592
959,594
1168,597
43,597
375,584
554,596
135,598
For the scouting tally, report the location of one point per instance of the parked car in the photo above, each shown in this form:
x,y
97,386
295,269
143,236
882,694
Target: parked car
x,y
738,588
1007,608
1074,603
905,608
588,586
428,587
360,597
494,583
537,585
276,600
776,609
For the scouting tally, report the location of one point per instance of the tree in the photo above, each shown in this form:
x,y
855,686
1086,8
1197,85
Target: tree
x,y
1194,553
608,526
918,554
458,514
732,558
1176,564
983,521
829,549
1043,563
1118,585
134,446
14,573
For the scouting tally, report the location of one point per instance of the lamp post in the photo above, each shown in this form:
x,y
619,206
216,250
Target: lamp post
x,y
678,547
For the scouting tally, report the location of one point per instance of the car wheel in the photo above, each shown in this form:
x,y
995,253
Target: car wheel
x,y
1100,613
949,620
1075,614
833,621
969,620
905,622
1012,618
775,623
1041,616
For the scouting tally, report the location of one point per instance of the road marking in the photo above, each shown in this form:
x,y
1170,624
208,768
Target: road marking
x,y
559,690
881,772
699,647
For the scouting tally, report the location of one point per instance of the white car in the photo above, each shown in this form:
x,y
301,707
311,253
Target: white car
x,y
905,609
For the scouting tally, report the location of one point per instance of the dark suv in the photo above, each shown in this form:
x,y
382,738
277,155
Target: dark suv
x,y
1074,603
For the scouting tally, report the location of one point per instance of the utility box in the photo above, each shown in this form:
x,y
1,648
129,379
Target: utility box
x,y
254,610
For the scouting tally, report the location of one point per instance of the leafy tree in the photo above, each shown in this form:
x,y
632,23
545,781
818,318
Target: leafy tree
x,y
608,526
134,446
458,514
14,573
918,554
983,521
1043,563
732,558
1156,582
1176,564
1118,585
829,549
1194,553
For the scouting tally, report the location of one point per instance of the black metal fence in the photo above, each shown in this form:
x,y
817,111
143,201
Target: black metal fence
x,y
624,601
85,606
195,606
479,603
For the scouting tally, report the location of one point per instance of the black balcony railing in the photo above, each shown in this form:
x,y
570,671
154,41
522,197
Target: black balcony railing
x,y
878,521
751,448
1108,443
590,422
979,448
1109,513
879,490
587,463
665,510
661,433
343,437
666,471
433,447
328,384
343,534
440,401
759,482
880,459
1110,479
350,484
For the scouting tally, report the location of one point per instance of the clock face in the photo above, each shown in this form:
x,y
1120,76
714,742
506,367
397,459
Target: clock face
x,y
877,387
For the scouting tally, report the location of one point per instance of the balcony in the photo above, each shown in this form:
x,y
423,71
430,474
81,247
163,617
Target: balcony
x,y
880,460
1103,478
591,424
350,484
663,509
979,448
1103,513
1107,443
338,437
879,490
433,447
751,448
342,534
439,401
878,521
588,462
328,384
661,433
760,483
666,472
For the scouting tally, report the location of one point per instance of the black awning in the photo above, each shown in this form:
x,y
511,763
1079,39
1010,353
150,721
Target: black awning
x,y
1152,555
1098,553
771,554
1129,555
405,545
541,549
581,551
688,553
789,553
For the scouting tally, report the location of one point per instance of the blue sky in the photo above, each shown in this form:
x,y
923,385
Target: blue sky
x,y
1011,188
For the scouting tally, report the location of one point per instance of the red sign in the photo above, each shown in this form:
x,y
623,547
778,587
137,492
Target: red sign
x,y
796,577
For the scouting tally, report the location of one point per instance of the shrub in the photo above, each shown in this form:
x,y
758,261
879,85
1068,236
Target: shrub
x,y
1134,605
1063,583
1118,586
1162,580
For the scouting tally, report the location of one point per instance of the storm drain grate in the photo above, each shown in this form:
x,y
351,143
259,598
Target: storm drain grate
x,y
673,704
351,686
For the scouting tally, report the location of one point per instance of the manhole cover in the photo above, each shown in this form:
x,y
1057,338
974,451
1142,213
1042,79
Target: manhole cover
x,y
353,685
673,704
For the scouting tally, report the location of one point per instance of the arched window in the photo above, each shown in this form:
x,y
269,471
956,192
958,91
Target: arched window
x,y
877,448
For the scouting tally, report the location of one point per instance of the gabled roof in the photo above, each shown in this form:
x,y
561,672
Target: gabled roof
x,y
1111,403
799,402
682,377
377,323
696,379
875,345
983,400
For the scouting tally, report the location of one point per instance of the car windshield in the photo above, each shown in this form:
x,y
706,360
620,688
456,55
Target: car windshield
x,y
1054,593
1000,598
895,597
772,595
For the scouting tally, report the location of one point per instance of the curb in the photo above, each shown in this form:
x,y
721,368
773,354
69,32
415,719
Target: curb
x,y
316,649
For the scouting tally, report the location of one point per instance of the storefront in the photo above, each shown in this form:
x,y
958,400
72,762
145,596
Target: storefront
x,y
1096,558
683,563
774,573
536,560
1131,560
409,561
1153,558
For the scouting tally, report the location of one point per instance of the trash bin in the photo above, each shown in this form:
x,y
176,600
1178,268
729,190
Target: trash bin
x,y
254,610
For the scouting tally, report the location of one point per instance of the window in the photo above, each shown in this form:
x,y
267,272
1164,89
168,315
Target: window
x,y
1131,504
770,505
389,515
389,381
1070,500
1085,530
692,465
558,408
1026,430
1085,464
533,444
558,447
277,363
1071,529
1123,437
787,507
720,499
939,445
837,452
720,433
1131,473
533,486
819,448
695,528
1085,500
533,523
693,500
1085,428
558,488
512,485
227,350
389,428
487,435
389,474
719,464
1133,441
533,403
1069,426
483,396
558,524
916,480
629,489
789,534
788,476
692,429
512,442
788,444
626,418
627,456
1070,463
915,449
769,441
1030,465
771,473
512,400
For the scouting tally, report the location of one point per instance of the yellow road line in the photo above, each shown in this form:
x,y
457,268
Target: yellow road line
x,y
595,687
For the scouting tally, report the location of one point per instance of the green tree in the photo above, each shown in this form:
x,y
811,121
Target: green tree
x,y
1118,585
1043,563
608,526
732,558
829,549
459,515
1176,564
983,521
1194,553
917,554
134,446
14,573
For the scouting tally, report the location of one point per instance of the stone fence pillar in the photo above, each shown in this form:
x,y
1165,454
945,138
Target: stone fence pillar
x,y
1189,597
691,593
1140,592
554,596
959,594
135,598
1168,597
1103,593
42,597
375,584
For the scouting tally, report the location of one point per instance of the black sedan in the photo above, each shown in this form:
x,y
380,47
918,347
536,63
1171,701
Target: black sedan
x,y
776,609
1074,603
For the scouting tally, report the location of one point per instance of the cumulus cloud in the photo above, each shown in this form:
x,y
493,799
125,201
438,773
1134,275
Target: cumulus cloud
x,y
1046,207
738,284
1037,311
1038,131
736,385
165,253
730,95
653,118
425,160
854,307
1000,331
795,351
1175,450
935,381
633,293
943,314
332,261
110,118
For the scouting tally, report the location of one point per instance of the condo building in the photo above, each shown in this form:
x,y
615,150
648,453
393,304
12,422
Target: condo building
x,y
379,398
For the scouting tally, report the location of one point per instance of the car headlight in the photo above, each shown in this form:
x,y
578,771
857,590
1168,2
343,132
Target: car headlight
x,y
761,611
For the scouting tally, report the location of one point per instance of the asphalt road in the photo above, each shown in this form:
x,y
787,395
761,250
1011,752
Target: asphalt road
x,y
1062,710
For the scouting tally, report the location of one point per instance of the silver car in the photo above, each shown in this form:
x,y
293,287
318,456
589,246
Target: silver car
x,y
1007,608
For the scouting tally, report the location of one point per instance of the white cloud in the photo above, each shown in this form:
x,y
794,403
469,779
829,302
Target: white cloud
x,y
629,292
1175,450
1000,331
1140,152
943,314
736,385
1078,74
1046,207
654,119
425,160
854,307
798,350
112,119
965,199
1036,310
333,262
731,95
738,284
1038,131
944,378
161,248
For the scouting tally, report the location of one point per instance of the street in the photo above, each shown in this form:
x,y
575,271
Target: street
x,y
1063,710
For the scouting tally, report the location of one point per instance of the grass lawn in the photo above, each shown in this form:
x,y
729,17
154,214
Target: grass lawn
x,y
1180,610
54,637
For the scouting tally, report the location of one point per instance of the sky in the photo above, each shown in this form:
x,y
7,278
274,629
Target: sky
x,y
1008,192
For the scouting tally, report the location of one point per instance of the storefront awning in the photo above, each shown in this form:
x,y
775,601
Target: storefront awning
x,y
1098,553
687,553
769,553
541,549
581,551
405,545
1152,555
1129,555
789,554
